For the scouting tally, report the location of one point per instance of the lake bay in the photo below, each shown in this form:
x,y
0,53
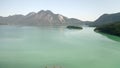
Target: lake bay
x,y
57,47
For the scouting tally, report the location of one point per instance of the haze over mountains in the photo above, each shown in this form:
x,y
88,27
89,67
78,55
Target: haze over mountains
x,y
43,18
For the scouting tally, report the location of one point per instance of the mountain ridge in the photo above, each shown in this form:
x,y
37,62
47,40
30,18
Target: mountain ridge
x,y
47,17
39,19
106,19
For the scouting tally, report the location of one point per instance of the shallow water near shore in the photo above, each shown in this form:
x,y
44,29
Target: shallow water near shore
x,y
57,47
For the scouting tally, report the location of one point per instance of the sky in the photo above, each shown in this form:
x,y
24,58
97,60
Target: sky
x,y
86,10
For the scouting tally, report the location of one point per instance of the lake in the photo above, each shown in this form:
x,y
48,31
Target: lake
x,y
57,47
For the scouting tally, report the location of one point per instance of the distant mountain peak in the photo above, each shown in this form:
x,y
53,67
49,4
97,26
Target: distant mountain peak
x,y
48,11
41,11
31,14
45,11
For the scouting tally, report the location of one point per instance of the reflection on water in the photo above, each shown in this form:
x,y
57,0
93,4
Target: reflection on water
x,y
112,37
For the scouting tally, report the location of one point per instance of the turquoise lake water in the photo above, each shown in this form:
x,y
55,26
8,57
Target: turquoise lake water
x,y
57,47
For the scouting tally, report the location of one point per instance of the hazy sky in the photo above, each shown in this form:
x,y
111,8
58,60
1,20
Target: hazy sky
x,y
81,9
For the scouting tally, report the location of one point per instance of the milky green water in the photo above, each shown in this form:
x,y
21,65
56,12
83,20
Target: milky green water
x,y
57,47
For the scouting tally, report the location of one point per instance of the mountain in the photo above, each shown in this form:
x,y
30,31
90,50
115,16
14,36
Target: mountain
x,y
106,19
39,19
112,28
